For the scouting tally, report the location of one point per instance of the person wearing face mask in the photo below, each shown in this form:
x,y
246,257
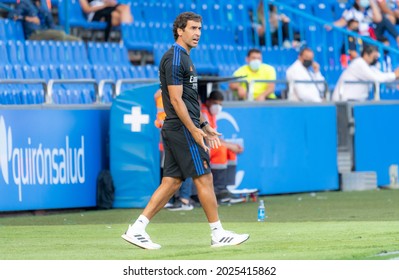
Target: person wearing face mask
x,y
305,69
360,69
354,44
255,70
223,158
372,21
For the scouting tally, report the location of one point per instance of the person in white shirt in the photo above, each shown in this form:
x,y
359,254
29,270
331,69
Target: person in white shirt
x,y
305,69
360,69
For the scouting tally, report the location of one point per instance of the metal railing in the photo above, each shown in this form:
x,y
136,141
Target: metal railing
x,y
52,82
120,82
99,87
28,81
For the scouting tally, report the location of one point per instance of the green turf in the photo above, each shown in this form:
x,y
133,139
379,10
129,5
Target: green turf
x,y
325,225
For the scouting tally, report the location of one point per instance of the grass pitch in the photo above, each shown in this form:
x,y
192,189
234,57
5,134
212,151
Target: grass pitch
x,y
315,226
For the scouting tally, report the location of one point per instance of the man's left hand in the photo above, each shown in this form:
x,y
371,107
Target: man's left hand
x,y
212,137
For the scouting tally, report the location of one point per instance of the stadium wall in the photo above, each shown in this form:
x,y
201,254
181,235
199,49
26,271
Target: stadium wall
x,y
50,156
376,139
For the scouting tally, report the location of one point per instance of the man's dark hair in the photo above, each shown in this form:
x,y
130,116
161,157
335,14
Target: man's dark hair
x,y
181,21
216,95
368,49
304,49
352,21
251,51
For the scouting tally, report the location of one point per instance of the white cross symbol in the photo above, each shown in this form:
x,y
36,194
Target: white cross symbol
x,y
136,119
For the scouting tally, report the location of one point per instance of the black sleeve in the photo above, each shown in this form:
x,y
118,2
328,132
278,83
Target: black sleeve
x,y
173,69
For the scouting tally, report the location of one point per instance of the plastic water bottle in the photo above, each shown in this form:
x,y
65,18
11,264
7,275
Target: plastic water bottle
x,y
261,211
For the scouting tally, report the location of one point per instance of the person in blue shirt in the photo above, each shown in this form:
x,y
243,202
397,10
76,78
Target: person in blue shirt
x,y
38,23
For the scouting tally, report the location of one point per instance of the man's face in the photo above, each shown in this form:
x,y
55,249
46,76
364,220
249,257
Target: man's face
x,y
354,27
214,106
191,34
373,57
306,55
254,61
254,56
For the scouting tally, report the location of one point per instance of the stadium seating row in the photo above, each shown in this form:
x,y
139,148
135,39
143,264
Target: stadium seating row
x,y
14,92
55,52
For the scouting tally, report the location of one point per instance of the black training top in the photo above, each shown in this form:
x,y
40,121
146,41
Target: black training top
x,y
176,68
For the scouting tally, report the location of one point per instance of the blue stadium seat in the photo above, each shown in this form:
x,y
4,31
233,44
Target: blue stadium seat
x,y
324,10
76,16
48,72
116,54
35,92
137,11
96,53
136,37
16,52
159,50
64,53
152,12
3,88
216,14
141,72
201,57
33,52
108,53
101,72
77,93
49,52
152,71
161,33
126,72
79,52
3,35
4,57
339,8
17,92
11,30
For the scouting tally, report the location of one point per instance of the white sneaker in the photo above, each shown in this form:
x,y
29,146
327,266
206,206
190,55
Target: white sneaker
x,y
228,238
140,239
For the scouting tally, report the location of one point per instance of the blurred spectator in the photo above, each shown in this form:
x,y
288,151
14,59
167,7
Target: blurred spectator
x,y
386,62
223,159
371,21
349,50
365,13
305,69
255,70
107,10
360,70
38,23
275,19
390,8
181,200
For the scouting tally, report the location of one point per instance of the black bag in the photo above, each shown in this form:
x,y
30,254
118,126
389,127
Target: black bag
x,y
105,190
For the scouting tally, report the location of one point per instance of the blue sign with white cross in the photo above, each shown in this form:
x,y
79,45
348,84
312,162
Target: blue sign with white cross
x,y
134,149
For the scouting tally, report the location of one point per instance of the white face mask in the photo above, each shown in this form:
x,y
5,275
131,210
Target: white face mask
x,y
364,3
255,64
215,109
